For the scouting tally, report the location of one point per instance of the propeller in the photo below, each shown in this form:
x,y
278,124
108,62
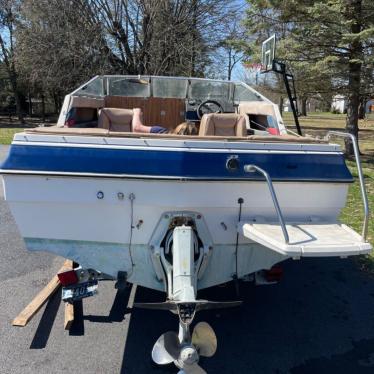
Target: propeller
x,y
204,339
195,369
185,355
166,349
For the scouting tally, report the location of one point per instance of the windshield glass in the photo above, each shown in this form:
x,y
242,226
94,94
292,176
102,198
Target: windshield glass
x,y
243,93
95,87
209,90
168,87
134,87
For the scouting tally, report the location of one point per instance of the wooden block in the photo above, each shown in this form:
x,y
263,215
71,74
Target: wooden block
x,y
69,308
39,300
69,315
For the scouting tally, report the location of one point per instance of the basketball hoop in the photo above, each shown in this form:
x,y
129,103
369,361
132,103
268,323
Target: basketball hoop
x,y
268,53
270,63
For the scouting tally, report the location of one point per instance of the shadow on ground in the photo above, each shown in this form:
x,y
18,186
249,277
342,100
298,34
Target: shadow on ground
x,y
319,319
46,322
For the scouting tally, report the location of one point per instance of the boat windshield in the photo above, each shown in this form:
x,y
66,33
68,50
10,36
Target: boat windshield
x,y
168,87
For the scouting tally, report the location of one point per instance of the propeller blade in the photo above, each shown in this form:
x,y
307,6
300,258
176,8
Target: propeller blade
x,y
204,339
166,349
192,369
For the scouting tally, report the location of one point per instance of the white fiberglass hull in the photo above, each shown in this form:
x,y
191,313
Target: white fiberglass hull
x,y
64,215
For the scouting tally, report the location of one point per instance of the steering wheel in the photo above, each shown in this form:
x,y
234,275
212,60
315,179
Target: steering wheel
x,y
208,106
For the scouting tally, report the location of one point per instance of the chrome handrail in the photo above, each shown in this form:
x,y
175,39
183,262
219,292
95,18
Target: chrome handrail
x,y
360,176
252,169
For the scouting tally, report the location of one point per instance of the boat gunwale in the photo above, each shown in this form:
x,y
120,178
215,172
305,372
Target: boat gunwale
x,y
175,142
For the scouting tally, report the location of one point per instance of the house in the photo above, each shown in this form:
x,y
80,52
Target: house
x,y
369,108
339,104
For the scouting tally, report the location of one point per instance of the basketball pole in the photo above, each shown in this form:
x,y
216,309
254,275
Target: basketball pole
x,y
280,68
270,63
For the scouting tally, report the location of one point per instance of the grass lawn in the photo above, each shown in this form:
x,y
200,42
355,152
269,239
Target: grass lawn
x,y
10,126
7,133
352,215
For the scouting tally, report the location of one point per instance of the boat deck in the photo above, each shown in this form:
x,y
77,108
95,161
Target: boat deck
x,y
307,239
55,130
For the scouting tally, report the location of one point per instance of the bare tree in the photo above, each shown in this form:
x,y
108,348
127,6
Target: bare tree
x,y
8,13
57,48
233,49
61,44
162,36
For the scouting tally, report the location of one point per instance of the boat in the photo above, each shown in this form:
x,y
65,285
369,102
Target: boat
x,y
178,213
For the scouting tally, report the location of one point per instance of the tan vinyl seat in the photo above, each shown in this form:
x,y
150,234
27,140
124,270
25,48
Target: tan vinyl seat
x,y
257,111
257,107
223,124
115,119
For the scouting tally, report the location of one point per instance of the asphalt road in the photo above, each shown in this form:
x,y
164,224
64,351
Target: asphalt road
x,y
319,319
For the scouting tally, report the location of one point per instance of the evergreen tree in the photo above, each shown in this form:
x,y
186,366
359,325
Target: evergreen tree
x,y
329,44
8,17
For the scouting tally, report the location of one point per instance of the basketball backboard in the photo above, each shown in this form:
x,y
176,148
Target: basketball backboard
x,y
268,53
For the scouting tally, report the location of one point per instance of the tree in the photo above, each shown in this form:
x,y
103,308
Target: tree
x,y
330,43
233,48
265,18
8,14
164,37
56,49
158,37
58,45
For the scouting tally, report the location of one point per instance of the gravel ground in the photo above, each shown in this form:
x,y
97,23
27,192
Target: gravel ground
x,y
319,319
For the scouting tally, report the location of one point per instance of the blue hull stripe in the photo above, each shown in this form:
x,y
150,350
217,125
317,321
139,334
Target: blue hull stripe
x,y
329,167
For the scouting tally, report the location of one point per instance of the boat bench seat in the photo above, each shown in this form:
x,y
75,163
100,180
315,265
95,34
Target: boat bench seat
x,y
115,119
223,124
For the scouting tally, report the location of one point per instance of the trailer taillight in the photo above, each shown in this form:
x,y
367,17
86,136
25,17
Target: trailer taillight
x,y
68,277
274,274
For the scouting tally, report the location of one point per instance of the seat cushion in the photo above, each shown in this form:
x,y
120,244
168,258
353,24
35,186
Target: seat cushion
x,y
115,119
256,107
225,124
